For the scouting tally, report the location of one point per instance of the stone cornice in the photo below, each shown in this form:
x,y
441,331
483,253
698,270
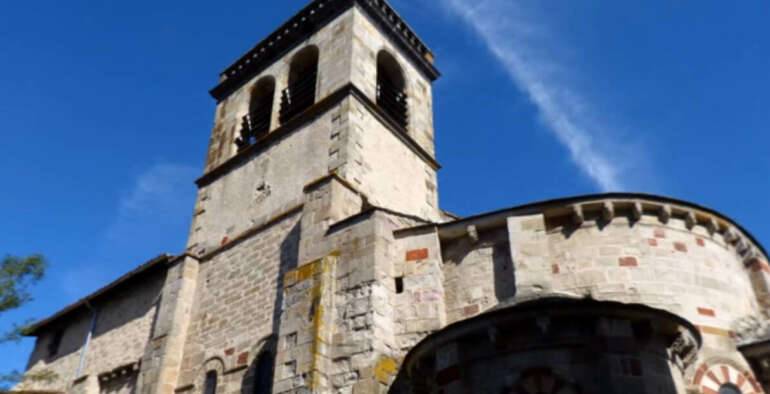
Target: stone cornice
x,y
606,207
310,20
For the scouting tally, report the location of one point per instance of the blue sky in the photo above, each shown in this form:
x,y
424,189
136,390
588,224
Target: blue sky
x,y
105,115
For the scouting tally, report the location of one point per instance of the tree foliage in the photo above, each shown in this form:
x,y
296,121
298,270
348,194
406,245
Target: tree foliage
x,y
17,276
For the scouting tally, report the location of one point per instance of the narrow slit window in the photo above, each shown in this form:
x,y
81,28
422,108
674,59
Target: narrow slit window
x,y
210,386
263,378
399,285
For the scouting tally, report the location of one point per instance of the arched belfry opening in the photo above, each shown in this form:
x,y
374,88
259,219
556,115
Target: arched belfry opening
x,y
391,89
256,124
303,75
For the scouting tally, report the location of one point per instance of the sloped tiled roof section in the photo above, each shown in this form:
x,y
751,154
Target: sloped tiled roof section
x,y
157,264
307,22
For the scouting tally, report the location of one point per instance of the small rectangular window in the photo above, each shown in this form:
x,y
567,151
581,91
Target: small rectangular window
x,y
399,285
55,344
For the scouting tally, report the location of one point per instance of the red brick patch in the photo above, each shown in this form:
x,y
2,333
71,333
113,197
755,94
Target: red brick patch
x,y
418,254
701,242
660,233
556,269
471,310
714,378
760,265
225,240
652,242
230,352
741,380
707,312
699,374
680,247
629,262
754,383
243,358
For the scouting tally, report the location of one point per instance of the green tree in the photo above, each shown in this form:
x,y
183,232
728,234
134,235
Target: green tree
x,y
17,276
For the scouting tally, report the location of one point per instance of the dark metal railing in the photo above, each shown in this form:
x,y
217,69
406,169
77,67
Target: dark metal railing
x,y
298,97
254,126
394,102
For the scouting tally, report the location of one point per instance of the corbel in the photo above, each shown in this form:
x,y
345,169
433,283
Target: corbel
x,y
608,211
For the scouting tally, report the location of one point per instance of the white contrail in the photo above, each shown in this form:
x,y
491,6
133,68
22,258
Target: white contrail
x,y
517,42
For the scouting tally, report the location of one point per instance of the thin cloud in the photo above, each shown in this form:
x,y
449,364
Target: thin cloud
x,y
525,47
152,218
161,186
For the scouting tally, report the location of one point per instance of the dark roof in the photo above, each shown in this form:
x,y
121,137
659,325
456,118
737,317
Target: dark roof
x,y
310,20
545,306
157,264
567,201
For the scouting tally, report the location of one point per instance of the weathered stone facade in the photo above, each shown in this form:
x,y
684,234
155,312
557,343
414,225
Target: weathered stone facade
x,y
319,261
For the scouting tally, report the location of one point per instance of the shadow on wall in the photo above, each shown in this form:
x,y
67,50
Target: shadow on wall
x,y
259,377
124,307
474,256
505,273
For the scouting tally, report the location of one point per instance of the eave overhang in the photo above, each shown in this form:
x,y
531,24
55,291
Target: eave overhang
x,y
563,206
157,264
309,21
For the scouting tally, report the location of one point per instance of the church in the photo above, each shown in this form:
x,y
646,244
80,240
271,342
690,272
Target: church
x,y
319,260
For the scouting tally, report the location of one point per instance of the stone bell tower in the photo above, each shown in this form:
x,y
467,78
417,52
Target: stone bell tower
x,y
322,141
343,87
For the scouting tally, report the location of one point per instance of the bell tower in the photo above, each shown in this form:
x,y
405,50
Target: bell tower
x,y
322,146
343,88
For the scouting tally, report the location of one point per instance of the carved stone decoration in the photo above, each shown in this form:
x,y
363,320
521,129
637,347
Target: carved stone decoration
x,y
665,213
473,233
691,220
577,215
637,211
713,226
715,375
608,211
684,349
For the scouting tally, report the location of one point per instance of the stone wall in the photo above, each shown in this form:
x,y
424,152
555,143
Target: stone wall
x,y
555,345
386,170
334,64
121,334
368,41
266,185
237,304
696,266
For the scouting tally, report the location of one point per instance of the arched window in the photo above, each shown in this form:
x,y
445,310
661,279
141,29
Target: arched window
x,y
210,385
257,123
729,389
303,75
263,376
391,89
